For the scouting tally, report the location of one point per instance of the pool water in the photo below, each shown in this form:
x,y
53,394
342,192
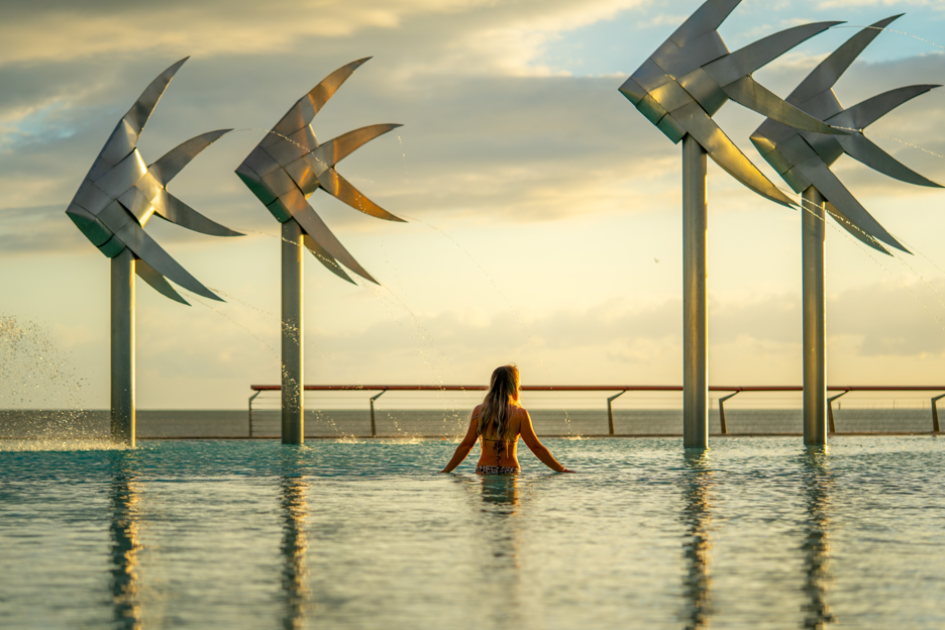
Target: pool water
x,y
755,533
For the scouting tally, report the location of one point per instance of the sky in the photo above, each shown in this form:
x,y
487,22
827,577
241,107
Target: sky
x,y
543,210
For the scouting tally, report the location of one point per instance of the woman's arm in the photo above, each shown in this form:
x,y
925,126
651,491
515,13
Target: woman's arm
x,y
466,445
539,449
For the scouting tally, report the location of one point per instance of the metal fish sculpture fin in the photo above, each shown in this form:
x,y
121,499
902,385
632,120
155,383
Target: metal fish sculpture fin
x,y
125,136
861,148
828,72
756,97
147,249
172,162
865,150
176,211
338,187
860,235
724,153
843,200
705,19
733,73
864,114
325,258
337,149
313,225
158,282
304,110
756,55
140,112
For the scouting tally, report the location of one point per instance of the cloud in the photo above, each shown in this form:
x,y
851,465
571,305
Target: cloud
x,y
845,4
470,35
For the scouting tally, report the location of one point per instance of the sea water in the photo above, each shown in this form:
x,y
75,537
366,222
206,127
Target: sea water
x,y
755,533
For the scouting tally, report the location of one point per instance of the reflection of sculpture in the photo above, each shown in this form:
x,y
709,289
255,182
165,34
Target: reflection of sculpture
x,y
816,545
294,544
697,544
679,88
283,171
803,159
114,203
124,551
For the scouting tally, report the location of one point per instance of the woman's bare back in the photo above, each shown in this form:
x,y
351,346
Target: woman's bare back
x,y
497,452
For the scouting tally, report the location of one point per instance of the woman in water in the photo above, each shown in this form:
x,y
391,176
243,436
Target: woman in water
x,y
499,420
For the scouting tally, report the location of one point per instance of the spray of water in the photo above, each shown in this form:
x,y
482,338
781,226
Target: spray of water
x,y
891,30
41,404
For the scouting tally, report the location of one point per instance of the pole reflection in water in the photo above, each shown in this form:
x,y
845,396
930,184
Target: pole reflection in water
x,y
294,544
697,518
125,543
816,546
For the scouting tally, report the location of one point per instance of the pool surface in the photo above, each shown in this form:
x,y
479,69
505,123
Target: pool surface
x,y
756,533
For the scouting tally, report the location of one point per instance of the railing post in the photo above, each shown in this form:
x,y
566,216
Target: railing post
x,y
251,399
833,425
722,411
610,410
373,426
935,399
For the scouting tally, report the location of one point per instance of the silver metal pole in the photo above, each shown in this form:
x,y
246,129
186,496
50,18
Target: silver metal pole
x,y
293,412
123,348
815,317
695,323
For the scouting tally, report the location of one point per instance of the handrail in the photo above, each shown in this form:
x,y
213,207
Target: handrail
x,y
622,389
607,388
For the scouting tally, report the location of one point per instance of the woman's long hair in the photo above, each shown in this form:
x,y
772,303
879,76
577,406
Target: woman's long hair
x,y
495,416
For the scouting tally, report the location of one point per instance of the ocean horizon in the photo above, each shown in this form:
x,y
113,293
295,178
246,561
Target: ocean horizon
x,y
408,423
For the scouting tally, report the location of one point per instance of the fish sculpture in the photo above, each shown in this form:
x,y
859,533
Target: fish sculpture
x,y
688,79
121,193
803,159
289,165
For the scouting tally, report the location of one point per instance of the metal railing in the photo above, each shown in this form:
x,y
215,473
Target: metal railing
x,y
621,390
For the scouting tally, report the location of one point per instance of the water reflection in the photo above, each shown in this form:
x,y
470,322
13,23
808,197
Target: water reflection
x,y
124,499
501,494
294,543
501,538
816,546
697,518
